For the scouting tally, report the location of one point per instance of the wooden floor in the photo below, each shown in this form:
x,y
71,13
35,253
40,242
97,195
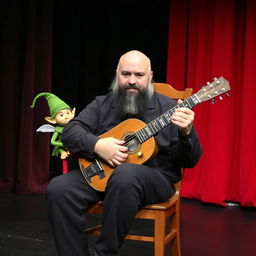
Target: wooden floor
x,y
206,230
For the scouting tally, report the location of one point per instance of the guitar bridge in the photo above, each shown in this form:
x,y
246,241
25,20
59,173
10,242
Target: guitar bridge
x,y
92,170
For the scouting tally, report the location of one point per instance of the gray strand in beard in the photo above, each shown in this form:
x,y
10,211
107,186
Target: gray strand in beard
x,y
129,103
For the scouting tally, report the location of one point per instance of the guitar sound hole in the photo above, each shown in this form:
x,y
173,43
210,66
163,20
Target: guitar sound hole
x,y
131,142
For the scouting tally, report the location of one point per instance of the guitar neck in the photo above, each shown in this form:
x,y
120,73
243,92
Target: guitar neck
x,y
163,120
209,92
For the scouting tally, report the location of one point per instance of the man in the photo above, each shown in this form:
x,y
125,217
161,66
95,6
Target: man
x,y
130,186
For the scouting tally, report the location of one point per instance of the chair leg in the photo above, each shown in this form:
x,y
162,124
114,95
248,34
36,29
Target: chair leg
x,y
160,229
175,246
175,243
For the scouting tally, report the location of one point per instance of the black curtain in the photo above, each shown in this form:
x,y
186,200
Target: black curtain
x,y
69,48
88,41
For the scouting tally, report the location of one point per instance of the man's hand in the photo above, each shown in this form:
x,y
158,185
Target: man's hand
x,y
183,118
111,150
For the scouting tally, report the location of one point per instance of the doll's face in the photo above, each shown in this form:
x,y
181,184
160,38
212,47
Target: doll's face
x,y
63,116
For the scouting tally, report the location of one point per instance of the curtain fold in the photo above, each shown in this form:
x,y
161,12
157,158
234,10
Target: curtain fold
x,y
26,70
210,39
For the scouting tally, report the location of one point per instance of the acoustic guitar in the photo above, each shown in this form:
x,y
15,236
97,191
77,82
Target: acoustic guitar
x,y
139,136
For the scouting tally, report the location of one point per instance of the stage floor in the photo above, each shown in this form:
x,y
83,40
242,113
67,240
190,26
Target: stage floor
x,y
206,230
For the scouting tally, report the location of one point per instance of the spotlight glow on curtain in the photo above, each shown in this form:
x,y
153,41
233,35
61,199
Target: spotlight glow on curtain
x,y
209,39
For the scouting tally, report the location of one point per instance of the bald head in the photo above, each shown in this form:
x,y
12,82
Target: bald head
x,y
135,59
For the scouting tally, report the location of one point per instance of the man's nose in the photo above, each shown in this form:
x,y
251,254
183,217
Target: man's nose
x,y
132,79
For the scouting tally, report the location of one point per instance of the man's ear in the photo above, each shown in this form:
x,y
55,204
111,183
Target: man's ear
x,y
50,120
74,111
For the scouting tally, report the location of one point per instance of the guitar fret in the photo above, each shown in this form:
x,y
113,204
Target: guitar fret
x,y
164,117
144,134
147,129
170,112
190,102
194,99
159,124
139,136
161,121
156,125
186,104
167,116
152,128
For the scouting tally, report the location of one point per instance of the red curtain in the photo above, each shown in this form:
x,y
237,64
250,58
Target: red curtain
x,y
25,71
211,39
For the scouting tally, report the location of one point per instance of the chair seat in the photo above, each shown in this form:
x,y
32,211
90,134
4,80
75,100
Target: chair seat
x,y
163,206
97,208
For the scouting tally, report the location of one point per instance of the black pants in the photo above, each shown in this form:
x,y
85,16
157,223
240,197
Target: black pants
x,y
129,187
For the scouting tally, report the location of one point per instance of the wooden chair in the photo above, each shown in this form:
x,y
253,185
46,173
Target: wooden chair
x,y
166,216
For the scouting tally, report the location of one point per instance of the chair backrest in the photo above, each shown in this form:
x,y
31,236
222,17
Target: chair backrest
x,y
169,91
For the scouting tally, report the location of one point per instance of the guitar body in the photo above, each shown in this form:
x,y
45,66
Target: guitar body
x,y
137,153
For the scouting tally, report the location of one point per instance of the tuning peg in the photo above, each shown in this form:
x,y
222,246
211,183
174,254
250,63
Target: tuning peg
x,y
220,98
213,101
227,94
215,79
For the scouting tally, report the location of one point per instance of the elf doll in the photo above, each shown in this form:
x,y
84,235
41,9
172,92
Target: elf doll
x,y
61,114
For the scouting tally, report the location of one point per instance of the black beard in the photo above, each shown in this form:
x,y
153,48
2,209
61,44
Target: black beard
x,y
130,104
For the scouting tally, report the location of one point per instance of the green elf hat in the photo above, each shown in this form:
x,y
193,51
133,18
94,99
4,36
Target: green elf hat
x,y
54,102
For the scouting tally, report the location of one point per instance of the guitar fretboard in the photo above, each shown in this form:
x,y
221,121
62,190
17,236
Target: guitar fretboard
x,y
163,120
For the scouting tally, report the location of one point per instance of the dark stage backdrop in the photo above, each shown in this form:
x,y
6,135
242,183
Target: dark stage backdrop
x,y
88,41
71,50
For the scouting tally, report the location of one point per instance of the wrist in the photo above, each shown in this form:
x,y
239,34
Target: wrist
x,y
185,131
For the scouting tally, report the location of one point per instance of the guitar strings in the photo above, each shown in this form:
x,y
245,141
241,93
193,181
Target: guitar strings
x,y
134,136
129,138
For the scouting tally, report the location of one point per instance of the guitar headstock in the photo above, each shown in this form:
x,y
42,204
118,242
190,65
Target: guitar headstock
x,y
216,88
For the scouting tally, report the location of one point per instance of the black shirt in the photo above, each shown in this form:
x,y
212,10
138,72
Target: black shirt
x,y
174,150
